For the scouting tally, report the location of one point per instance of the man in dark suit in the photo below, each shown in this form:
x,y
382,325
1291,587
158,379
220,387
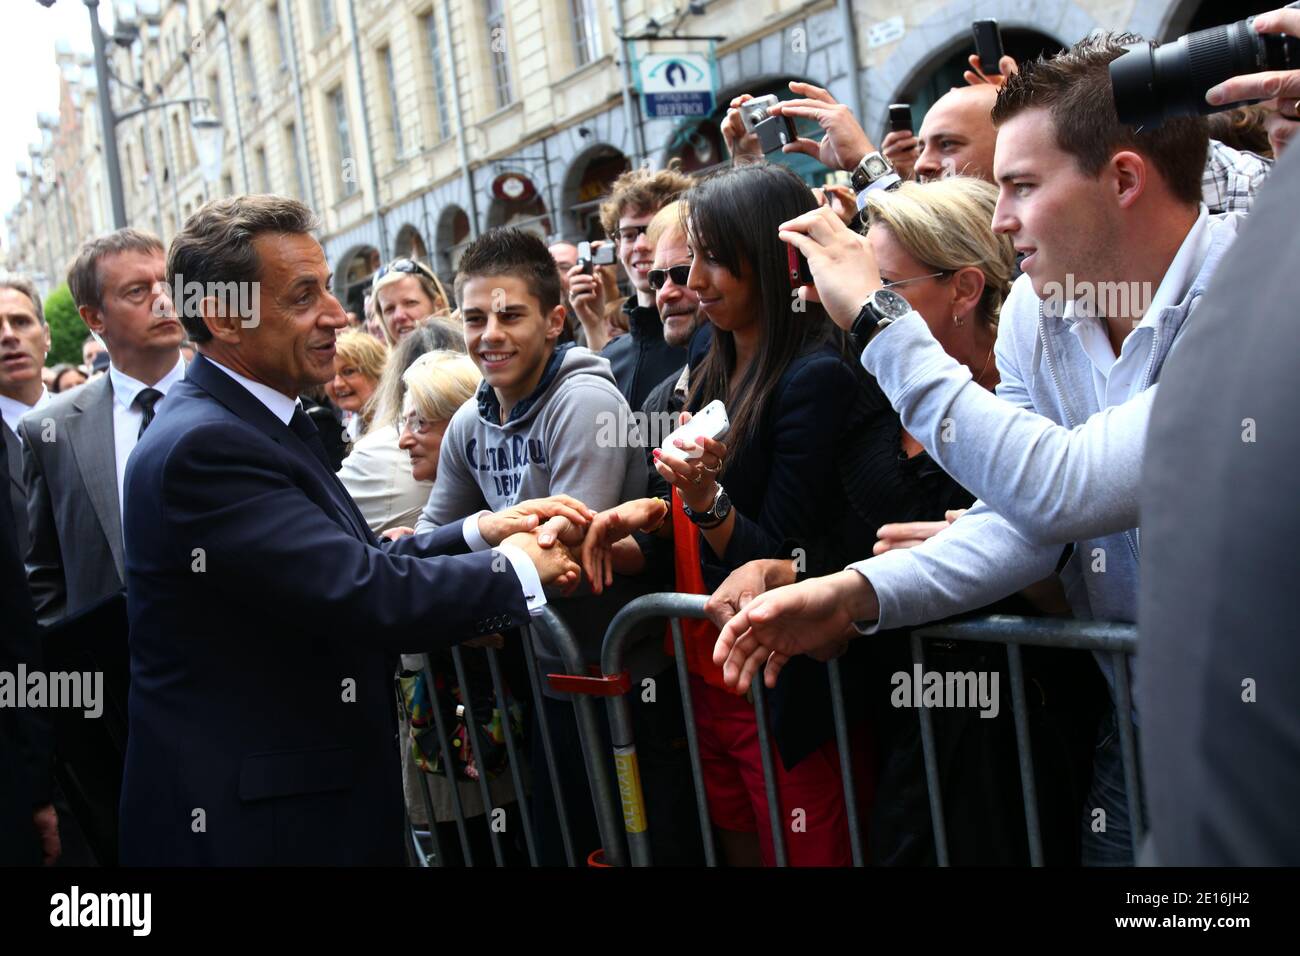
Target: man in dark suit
x,y
24,343
29,826
75,449
264,615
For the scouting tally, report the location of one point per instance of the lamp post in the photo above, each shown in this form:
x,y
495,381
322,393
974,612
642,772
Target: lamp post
x,y
124,33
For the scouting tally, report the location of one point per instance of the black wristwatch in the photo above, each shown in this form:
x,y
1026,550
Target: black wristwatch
x,y
716,514
881,308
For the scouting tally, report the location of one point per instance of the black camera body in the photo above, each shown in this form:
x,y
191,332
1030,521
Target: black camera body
x,y
773,132
1154,82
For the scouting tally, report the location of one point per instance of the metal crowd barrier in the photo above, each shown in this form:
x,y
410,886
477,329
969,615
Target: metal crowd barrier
x,y
600,778
1118,640
623,796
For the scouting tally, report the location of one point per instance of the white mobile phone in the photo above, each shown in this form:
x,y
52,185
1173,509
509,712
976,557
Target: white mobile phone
x,y
710,422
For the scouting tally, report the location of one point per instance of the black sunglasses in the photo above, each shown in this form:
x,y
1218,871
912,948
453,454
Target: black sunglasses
x,y
409,266
679,275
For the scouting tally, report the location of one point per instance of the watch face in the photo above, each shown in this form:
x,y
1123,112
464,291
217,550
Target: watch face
x,y
875,166
723,506
890,304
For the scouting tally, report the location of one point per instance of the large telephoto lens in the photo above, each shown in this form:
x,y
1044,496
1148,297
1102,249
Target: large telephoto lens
x,y
1154,83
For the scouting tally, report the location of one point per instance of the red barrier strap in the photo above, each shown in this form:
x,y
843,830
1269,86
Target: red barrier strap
x,y
595,685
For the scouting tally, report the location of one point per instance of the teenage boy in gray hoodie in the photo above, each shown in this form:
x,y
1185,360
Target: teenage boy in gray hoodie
x,y
548,419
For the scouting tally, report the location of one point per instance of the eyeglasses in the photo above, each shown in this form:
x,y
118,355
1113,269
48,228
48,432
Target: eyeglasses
x,y
409,266
416,424
900,282
659,277
630,233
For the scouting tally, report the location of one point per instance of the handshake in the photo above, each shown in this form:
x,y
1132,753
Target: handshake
x,y
555,532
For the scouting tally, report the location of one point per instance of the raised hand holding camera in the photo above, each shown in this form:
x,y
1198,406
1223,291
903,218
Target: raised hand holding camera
x,y
845,142
842,263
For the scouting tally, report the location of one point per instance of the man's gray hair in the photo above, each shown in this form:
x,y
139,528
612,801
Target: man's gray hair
x,y
216,245
83,275
20,283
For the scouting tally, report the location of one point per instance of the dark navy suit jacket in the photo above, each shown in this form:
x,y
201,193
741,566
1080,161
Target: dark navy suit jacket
x,y
265,619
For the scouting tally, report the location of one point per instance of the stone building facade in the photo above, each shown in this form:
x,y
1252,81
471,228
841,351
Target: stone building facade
x,y
410,125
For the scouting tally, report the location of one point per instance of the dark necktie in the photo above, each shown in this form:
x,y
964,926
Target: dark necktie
x,y
145,401
306,429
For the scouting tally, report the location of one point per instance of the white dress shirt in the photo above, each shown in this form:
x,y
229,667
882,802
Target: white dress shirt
x,y
530,582
13,410
127,416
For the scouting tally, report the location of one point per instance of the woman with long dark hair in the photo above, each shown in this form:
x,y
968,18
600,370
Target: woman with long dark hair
x,y
785,375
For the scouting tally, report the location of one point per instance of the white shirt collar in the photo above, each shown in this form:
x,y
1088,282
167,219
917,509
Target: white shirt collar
x,y
277,403
126,388
1183,270
13,410
1175,284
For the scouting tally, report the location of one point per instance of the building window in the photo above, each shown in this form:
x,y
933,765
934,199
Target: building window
x,y
494,14
439,79
343,142
386,55
277,27
291,151
263,171
250,71
586,32
325,18
214,94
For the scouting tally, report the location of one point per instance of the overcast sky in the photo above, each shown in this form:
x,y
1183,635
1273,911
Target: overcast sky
x,y
31,79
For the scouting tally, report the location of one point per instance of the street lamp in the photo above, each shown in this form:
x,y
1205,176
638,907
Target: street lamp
x,y
209,138
126,29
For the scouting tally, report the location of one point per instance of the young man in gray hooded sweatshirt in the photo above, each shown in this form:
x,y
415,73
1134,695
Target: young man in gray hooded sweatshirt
x,y
541,424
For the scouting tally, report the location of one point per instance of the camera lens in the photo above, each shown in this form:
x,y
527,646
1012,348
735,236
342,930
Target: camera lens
x,y
1153,83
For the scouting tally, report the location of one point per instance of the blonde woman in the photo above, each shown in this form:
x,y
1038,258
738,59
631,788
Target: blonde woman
x,y
358,365
378,473
407,293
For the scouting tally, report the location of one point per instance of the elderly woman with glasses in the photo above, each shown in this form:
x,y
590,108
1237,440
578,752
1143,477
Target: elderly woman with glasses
x,y
377,473
407,293
437,384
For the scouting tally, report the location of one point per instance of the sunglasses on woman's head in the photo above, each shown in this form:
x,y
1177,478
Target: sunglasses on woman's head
x,y
659,277
408,266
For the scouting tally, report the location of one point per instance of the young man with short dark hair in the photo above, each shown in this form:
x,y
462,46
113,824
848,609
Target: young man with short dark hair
x,y
543,423
1096,206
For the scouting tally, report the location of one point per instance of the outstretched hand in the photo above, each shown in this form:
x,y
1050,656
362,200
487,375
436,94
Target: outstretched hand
x,y
814,617
605,549
528,515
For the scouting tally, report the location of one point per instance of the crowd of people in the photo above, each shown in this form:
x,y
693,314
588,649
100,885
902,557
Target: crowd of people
x,y
290,513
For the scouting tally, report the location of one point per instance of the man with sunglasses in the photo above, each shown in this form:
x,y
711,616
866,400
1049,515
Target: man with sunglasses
x,y
406,294
641,359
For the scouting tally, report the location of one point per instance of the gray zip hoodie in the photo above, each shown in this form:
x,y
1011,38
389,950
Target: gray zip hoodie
x,y
570,436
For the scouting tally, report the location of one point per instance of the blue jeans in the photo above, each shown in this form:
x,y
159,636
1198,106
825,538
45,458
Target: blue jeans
x,y
1112,846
